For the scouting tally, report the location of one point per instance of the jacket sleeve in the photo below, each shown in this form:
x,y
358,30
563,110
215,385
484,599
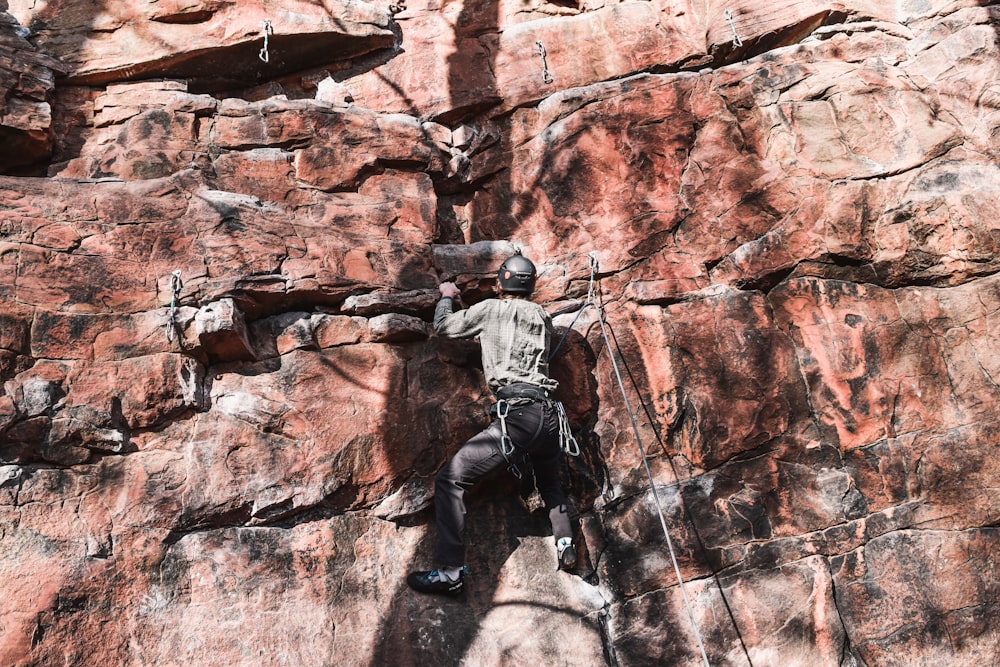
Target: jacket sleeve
x,y
461,324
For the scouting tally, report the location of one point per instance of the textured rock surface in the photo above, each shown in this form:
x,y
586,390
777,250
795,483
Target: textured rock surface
x,y
27,79
214,43
222,408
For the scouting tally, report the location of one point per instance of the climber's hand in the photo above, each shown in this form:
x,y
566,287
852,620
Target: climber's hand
x,y
450,290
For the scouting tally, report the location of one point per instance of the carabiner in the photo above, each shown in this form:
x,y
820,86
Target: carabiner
x,y
506,444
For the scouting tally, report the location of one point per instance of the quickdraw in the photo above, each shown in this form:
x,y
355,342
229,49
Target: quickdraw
x,y
506,444
566,440
737,42
546,75
266,30
175,288
567,443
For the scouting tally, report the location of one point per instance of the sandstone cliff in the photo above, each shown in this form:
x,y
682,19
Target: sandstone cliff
x,y
222,226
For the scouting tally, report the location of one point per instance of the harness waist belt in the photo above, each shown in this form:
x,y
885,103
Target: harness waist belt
x,y
523,390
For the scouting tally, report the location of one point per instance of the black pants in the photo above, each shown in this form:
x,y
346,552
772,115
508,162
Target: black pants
x,y
534,430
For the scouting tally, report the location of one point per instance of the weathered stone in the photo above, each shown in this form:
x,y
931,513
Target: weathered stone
x,y
469,260
507,55
333,93
27,80
8,411
296,335
36,396
381,302
86,434
222,331
331,331
126,100
10,474
802,626
148,131
213,44
227,409
913,582
411,498
396,328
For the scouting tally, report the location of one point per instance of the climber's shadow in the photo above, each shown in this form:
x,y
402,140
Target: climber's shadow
x,y
423,629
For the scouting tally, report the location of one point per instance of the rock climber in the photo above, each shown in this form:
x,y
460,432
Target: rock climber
x,y
514,333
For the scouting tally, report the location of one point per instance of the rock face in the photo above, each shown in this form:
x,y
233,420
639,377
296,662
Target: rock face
x,y
27,80
213,43
222,407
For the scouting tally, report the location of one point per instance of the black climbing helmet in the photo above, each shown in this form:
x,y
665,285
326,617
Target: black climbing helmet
x,y
517,275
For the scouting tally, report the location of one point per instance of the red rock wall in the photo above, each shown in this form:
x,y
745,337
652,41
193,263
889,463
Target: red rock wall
x,y
222,410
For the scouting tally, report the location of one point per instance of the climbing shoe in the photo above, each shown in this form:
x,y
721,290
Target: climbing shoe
x,y
435,583
567,553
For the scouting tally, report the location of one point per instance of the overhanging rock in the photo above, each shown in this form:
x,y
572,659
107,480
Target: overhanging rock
x,y
215,45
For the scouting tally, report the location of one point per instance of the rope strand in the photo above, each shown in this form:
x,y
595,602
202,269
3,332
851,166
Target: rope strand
x,y
687,511
592,301
592,296
645,462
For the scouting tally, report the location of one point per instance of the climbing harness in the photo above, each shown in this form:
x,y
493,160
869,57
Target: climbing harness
x,y
521,393
175,288
592,301
546,75
737,42
266,30
567,443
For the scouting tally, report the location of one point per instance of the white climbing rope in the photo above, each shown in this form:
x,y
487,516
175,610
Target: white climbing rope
x,y
592,301
266,30
737,42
